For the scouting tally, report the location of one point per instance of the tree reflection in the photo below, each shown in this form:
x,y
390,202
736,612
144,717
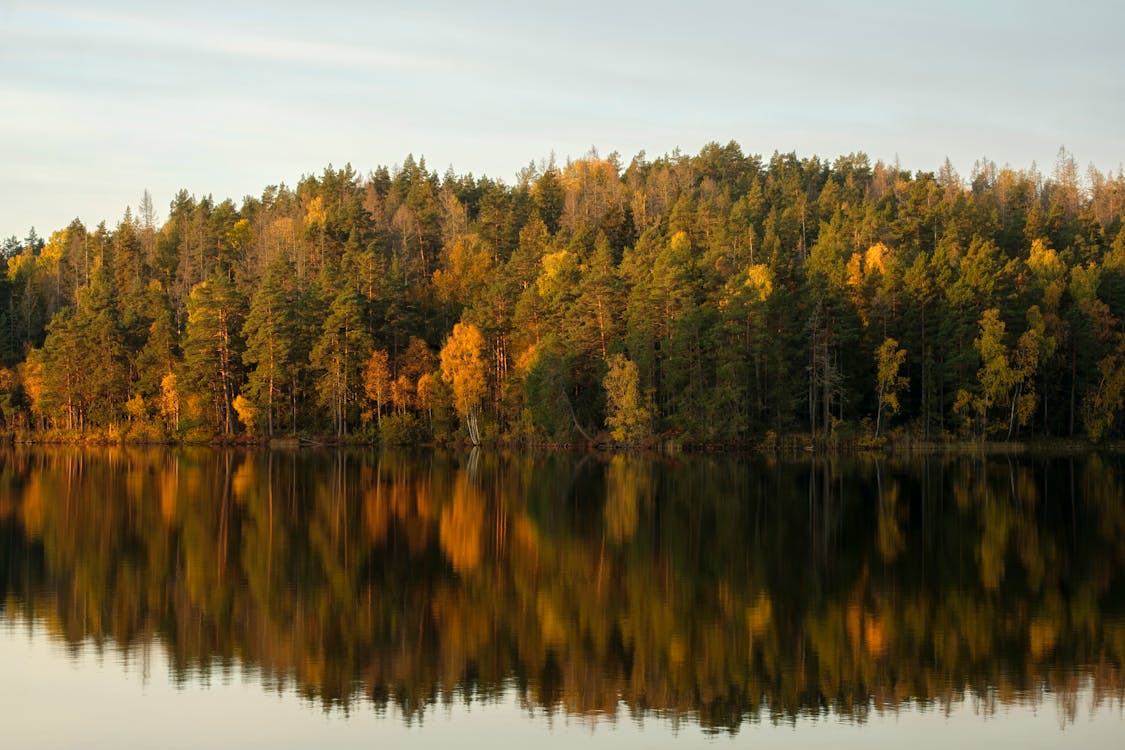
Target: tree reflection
x,y
707,589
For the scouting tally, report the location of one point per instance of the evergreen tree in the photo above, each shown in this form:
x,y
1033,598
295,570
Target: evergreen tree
x,y
270,333
84,373
212,367
338,358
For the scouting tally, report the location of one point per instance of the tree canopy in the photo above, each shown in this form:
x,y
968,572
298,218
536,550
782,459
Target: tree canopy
x,y
752,296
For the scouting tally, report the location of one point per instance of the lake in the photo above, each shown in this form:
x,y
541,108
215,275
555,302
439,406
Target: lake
x,y
251,598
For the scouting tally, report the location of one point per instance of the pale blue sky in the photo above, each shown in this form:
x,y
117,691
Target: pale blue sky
x,y
100,100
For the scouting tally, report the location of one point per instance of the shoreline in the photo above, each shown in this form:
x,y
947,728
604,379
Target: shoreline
x,y
789,445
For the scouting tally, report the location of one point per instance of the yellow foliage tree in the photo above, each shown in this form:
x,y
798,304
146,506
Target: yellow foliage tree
x,y
169,401
1050,272
247,413
463,368
996,375
626,418
377,380
426,392
1100,406
402,394
558,277
888,363
135,408
466,269
1007,377
34,383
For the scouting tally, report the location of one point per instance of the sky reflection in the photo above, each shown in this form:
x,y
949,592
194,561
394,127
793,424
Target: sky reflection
x,y
59,695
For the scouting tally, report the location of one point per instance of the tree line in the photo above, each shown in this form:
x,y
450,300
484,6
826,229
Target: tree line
x,y
716,298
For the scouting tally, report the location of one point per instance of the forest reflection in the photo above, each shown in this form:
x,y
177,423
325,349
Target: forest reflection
x,y
707,589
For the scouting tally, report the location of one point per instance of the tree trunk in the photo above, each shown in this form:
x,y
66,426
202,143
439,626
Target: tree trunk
x,y
1012,412
1073,385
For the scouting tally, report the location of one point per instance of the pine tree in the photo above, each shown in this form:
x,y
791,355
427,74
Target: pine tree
x,y
84,374
270,332
212,367
104,338
158,357
338,358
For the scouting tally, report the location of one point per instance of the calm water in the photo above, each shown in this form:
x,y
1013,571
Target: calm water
x,y
199,598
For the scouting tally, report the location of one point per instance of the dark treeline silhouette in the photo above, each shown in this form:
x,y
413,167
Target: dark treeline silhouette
x,y
714,298
709,589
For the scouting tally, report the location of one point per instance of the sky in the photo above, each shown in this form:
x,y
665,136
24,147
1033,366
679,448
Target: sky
x,y
101,100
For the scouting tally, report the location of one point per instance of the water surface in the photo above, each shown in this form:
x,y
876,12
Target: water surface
x,y
200,598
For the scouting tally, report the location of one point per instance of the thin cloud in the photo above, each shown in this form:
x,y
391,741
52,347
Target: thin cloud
x,y
114,31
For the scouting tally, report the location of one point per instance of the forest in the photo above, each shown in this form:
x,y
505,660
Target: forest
x,y
716,299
